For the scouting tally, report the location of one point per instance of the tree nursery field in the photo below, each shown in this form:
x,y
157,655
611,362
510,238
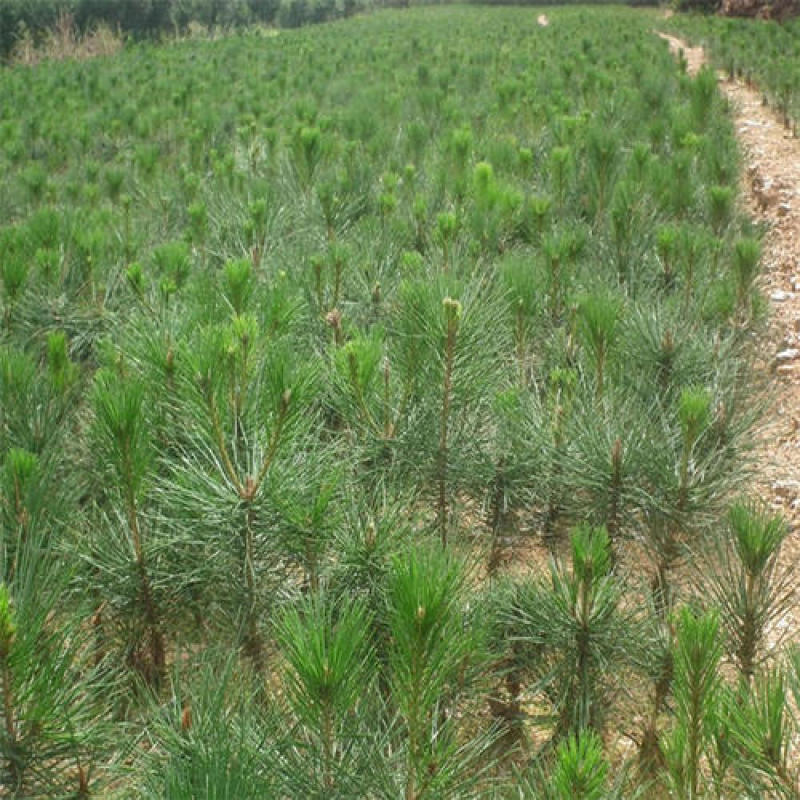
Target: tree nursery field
x,y
377,403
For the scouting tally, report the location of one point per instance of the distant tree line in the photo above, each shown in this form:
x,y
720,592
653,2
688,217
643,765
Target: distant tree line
x,y
151,18
762,9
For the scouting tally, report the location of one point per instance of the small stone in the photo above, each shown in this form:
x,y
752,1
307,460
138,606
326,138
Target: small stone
x,y
787,489
784,209
780,296
789,354
785,369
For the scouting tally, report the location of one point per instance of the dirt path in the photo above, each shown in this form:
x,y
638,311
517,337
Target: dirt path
x,y
771,194
695,57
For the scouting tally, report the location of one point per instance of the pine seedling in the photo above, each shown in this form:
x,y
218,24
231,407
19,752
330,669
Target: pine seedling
x,y
338,259
720,207
14,275
243,418
609,445
536,218
577,623
173,264
8,635
238,284
259,218
446,230
639,164
433,660
304,495
747,584
696,683
113,180
484,186
523,282
690,244
511,658
746,258
460,148
387,203
375,530
52,725
329,676
578,770
214,738
722,753
623,226
23,496
452,314
449,357
123,442
655,657
703,89
598,316
667,247
198,224
681,187
329,202
14,269
32,409
663,356
560,170
557,253
307,151
134,274
419,213
365,396
513,462
49,728
525,161
764,730
63,372
694,414
602,151
560,401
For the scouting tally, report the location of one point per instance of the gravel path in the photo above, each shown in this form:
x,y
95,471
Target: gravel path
x,y
770,193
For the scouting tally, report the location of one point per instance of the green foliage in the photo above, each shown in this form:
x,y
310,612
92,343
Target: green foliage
x,y
577,769
759,51
308,340
746,257
747,584
581,770
53,730
330,669
696,690
579,632
433,660
598,316
209,737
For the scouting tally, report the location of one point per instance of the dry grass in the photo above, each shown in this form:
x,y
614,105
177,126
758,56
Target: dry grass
x,y
65,42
